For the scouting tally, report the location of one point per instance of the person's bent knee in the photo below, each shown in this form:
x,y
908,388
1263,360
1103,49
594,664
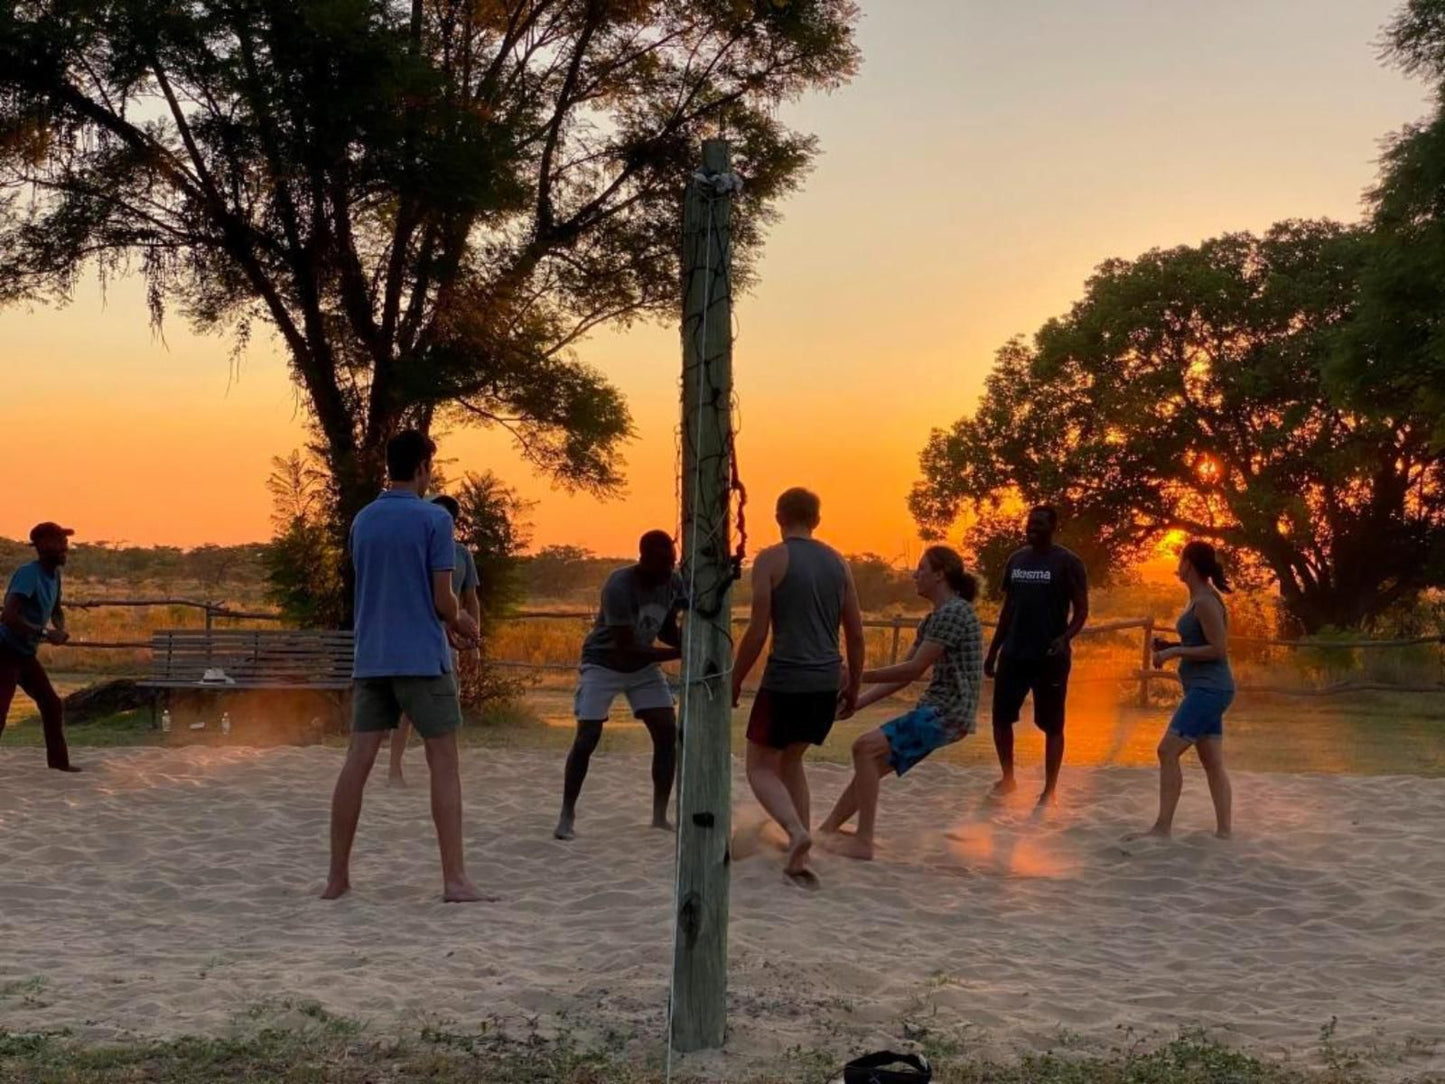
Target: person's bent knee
x,y
589,734
1171,748
869,746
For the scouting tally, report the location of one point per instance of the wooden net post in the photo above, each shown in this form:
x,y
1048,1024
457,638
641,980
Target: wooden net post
x,y
699,977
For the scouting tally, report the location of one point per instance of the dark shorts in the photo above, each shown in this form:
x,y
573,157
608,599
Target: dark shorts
x,y
783,719
1201,714
1047,679
429,702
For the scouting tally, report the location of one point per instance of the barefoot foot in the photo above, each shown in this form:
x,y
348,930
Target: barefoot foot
x,y
565,829
660,822
798,848
850,846
464,892
1153,833
336,888
805,879
1002,789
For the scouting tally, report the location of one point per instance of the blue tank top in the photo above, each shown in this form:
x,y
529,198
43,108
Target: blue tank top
x,y
1201,673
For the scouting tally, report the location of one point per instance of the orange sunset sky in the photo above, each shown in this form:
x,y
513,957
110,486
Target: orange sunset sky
x,y
987,157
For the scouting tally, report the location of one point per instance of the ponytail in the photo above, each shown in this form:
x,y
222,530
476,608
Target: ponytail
x,y
949,565
1205,560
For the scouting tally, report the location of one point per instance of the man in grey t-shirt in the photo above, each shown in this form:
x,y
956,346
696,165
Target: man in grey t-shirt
x,y
465,584
639,608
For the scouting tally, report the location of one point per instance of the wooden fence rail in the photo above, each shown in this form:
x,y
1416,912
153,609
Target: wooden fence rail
x,y
896,625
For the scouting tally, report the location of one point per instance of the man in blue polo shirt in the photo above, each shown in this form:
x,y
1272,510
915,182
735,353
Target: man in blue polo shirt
x,y
406,611
31,615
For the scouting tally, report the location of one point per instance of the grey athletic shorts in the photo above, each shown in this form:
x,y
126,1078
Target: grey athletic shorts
x,y
597,687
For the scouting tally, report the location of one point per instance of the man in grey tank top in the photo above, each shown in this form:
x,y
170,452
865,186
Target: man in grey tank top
x,y
802,593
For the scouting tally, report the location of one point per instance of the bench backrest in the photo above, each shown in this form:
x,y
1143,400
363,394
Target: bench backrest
x,y
254,658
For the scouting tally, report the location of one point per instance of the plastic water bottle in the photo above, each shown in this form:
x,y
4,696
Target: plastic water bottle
x,y
166,721
225,722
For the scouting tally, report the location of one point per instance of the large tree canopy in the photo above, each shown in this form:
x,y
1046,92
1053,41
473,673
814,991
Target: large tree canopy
x,y
1392,358
1187,391
431,202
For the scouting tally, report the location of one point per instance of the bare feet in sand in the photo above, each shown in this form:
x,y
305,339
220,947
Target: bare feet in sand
x,y
1224,833
336,888
660,821
397,780
796,869
64,768
1153,833
805,879
464,892
1002,789
565,827
798,848
1048,798
848,845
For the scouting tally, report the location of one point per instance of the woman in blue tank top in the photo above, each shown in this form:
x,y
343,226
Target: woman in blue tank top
x,y
1203,654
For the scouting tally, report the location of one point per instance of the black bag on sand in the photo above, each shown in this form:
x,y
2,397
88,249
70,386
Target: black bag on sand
x,y
884,1069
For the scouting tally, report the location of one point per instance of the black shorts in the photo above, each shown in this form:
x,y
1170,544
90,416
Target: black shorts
x,y
779,720
1046,678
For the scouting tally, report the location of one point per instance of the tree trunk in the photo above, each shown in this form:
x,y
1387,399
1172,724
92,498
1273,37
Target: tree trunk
x,y
358,477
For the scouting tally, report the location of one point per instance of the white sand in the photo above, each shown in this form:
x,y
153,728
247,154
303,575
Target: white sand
x,y
171,891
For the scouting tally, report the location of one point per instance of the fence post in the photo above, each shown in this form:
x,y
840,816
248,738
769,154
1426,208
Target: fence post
x,y
1148,666
897,633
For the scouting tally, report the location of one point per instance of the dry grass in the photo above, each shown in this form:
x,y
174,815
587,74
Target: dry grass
x,y
1104,669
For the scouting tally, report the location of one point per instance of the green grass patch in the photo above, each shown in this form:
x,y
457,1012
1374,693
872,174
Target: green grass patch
x,y
128,728
327,1049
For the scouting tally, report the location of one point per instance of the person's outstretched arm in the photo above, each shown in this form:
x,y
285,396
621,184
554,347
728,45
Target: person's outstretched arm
x,y
759,621
910,669
874,693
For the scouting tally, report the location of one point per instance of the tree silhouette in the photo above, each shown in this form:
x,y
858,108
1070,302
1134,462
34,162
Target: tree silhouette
x,y
429,202
1187,392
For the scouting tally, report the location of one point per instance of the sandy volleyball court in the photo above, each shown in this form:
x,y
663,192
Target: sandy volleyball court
x,y
173,891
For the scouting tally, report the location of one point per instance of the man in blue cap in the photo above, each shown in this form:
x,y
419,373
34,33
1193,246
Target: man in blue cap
x,y
32,614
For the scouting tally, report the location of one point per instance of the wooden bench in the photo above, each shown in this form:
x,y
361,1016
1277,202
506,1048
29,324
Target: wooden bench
x,y
237,660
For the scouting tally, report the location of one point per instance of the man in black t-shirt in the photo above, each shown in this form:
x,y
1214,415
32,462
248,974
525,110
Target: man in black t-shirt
x,y
1046,603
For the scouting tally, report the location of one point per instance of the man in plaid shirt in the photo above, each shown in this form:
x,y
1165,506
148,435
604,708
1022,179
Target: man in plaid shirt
x,y
950,643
